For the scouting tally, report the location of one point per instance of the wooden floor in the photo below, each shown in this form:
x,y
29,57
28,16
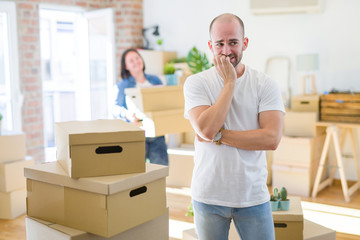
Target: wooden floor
x,y
178,203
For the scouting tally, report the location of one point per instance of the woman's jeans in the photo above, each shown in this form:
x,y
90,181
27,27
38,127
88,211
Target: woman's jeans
x,y
156,150
252,223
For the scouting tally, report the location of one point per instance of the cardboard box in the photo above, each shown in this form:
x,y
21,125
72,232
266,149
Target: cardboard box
x,y
181,165
189,137
12,146
164,122
305,103
299,151
300,124
289,224
12,174
155,229
104,206
156,60
313,231
297,180
269,161
100,147
12,204
157,98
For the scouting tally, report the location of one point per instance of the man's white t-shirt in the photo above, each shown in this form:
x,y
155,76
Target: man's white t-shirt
x,y
224,175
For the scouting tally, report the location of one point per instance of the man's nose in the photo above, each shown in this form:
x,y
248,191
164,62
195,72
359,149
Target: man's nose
x,y
226,49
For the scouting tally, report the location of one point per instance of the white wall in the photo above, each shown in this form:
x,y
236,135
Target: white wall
x,y
334,34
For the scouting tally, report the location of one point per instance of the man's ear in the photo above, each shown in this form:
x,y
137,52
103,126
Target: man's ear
x,y
245,44
210,44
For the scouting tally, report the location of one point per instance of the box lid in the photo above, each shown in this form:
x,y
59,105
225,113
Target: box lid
x,y
99,131
53,173
294,214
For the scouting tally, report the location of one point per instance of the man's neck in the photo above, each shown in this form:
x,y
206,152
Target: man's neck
x,y
240,69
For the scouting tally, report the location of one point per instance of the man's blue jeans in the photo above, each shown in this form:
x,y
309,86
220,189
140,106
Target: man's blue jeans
x,y
156,150
252,223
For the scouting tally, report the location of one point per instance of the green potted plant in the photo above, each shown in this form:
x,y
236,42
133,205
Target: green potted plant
x,y
197,61
170,76
274,199
159,43
190,211
284,203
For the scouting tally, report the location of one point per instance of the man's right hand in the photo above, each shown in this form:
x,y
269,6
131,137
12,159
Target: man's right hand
x,y
225,69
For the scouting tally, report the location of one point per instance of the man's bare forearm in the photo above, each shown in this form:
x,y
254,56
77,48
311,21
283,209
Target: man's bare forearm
x,y
208,120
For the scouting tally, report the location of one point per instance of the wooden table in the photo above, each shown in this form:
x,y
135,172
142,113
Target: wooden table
x,y
331,129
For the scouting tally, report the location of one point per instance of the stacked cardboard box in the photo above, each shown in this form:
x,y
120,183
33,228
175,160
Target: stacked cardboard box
x,y
160,108
100,184
155,229
12,180
298,154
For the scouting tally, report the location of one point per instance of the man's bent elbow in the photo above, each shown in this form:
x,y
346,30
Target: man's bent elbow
x,y
274,142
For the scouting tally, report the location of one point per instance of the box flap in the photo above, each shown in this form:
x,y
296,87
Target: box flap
x,y
53,173
293,215
100,131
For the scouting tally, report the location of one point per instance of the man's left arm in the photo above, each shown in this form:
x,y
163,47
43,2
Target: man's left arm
x,y
267,137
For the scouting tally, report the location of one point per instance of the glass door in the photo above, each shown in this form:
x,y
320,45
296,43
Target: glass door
x,y
10,96
77,52
101,61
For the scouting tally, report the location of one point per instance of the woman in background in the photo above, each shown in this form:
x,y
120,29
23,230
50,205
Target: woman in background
x,y
133,75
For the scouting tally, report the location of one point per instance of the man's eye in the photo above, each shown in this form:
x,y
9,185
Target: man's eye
x,y
219,44
234,43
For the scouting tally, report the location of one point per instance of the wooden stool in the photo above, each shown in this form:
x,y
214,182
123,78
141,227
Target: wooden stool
x,y
331,133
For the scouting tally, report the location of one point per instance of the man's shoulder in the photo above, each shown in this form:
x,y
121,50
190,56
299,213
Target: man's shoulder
x,y
256,75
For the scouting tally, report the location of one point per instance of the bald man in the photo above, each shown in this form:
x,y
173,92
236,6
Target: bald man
x,y
237,113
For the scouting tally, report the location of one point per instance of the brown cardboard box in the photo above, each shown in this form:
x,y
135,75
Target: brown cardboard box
x,y
155,229
299,151
164,122
300,124
12,146
297,180
289,224
12,174
305,103
100,147
12,204
104,206
181,165
313,231
189,137
156,60
154,99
